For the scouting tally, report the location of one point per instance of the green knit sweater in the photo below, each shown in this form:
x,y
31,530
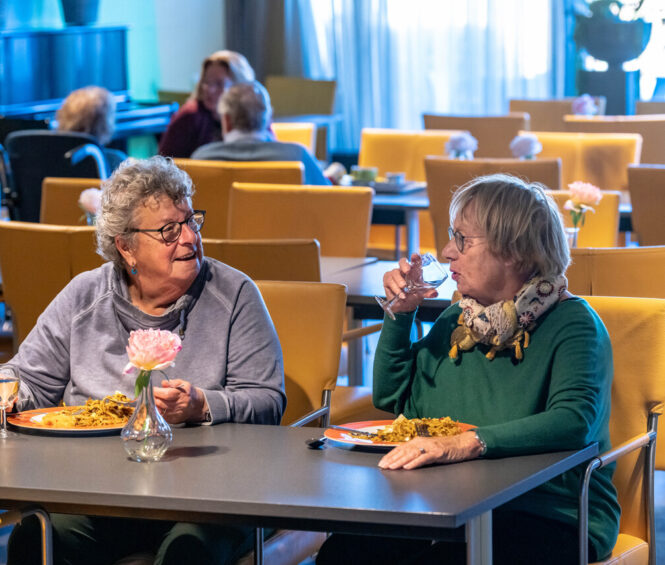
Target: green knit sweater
x,y
556,398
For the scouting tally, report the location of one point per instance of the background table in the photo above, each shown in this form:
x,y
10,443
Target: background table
x,y
265,476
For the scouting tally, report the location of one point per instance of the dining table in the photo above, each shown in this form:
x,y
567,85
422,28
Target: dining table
x,y
266,476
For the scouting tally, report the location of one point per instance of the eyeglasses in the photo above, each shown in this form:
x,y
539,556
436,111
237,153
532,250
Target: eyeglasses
x,y
171,232
459,238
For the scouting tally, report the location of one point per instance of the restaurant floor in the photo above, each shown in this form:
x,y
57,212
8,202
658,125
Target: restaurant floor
x,y
660,525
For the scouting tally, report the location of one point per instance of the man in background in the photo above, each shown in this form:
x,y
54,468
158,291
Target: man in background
x,y
246,114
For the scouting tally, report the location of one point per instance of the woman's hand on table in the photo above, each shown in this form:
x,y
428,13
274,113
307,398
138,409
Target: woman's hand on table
x,y
428,450
395,281
178,401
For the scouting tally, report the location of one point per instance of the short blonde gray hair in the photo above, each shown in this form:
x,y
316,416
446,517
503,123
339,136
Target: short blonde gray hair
x,y
133,183
520,222
247,105
88,110
236,64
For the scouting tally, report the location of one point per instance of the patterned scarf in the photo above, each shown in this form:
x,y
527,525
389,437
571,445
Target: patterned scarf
x,y
507,323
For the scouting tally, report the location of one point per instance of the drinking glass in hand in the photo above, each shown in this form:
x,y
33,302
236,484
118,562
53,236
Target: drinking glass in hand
x,y
9,385
429,276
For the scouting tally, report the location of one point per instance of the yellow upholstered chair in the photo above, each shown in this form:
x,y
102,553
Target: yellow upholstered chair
x,y
646,184
599,158
445,175
178,96
618,271
637,331
601,227
269,259
303,133
494,133
213,180
547,115
392,150
337,217
60,197
308,318
37,262
650,127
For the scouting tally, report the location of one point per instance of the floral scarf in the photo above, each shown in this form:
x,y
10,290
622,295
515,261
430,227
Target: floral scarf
x,y
507,323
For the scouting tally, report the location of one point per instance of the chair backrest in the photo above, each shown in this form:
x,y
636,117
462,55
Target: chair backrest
x,y
37,262
601,227
34,155
646,184
60,198
599,158
338,217
401,151
213,179
178,96
651,128
649,107
9,125
637,331
293,96
618,271
308,318
445,175
494,133
269,259
303,133
547,115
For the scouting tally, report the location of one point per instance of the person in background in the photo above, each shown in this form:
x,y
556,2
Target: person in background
x,y
246,114
91,110
520,358
197,121
230,368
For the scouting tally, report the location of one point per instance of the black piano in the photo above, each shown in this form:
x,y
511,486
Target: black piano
x,y
40,67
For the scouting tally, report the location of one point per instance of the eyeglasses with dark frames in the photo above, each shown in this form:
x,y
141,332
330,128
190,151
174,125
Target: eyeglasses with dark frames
x,y
459,238
171,232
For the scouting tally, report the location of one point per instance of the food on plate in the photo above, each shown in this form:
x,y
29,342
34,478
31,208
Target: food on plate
x,y
404,429
95,413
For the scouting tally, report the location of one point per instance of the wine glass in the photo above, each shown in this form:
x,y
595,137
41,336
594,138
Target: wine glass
x,y
430,275
9,385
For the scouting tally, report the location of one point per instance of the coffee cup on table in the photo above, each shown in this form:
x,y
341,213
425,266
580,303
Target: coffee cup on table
x,y
395,178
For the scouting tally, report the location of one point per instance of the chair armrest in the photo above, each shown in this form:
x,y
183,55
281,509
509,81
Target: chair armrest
x,y
648,440
310,417
79,153
361,332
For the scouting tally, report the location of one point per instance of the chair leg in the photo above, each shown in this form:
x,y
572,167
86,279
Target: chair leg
x,y
15,516
258,546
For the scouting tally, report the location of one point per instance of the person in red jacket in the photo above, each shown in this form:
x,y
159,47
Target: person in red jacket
x,y
197,121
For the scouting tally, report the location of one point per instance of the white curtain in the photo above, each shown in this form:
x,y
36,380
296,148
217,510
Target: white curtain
x,y
394,60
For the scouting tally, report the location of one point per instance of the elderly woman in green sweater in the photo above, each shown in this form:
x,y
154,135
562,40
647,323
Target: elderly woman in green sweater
x,y
519,357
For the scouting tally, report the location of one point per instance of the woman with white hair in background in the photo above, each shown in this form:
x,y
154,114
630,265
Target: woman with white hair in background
x,y
197,121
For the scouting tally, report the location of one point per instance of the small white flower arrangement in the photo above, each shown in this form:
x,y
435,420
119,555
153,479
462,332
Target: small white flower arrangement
x,y
525,146
461,145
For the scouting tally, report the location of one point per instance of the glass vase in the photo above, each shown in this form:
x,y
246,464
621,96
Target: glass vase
x,y
571,236
146,436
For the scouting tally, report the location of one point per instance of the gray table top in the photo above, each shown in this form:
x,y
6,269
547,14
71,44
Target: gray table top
x,y
264,475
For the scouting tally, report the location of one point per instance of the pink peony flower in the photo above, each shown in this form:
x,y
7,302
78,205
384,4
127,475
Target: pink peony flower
x,y
90,201
461,144
150,350
584,105
525,146
585,193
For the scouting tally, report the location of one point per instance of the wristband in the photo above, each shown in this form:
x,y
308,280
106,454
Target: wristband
x,y
481,441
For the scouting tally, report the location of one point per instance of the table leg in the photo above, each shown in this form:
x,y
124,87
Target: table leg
x,y
412,232
355,360
479,540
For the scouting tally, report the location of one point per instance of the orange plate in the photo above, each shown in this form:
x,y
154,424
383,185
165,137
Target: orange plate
x,y
30,422
343,439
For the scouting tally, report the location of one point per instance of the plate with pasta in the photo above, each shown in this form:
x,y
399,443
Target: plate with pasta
x,y
389,433
95,417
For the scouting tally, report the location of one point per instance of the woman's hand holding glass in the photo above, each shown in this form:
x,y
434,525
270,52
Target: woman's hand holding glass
x,y
407,286
178,401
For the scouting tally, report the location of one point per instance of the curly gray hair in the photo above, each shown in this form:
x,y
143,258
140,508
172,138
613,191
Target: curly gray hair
x,y
520,221
132,184
88,110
